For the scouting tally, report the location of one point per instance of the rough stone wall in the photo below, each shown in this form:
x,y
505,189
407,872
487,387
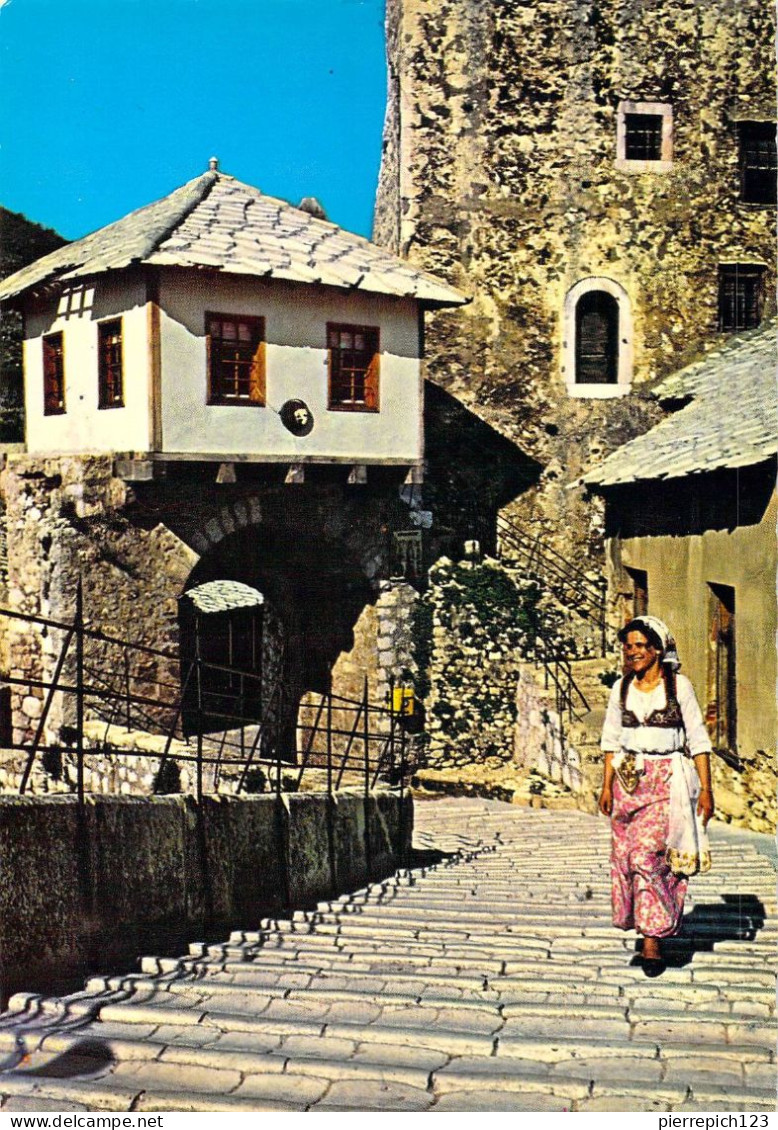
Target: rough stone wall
x,y
317,553
64,518
383,644
747,799
478,629
499,173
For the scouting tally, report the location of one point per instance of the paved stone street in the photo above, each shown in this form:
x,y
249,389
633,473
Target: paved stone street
x,y
490,980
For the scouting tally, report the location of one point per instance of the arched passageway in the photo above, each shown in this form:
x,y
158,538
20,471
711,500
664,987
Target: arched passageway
x,y
268,611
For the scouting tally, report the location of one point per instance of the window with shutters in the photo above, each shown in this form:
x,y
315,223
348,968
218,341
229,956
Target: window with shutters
x,y
741,296
53,375
758,162
110,364
353,353
236,359
597,338
644,136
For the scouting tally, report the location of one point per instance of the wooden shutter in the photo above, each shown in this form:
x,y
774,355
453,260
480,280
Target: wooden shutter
x,y
257,375
372,381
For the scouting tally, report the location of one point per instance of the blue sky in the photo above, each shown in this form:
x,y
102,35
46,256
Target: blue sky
x,y
106,105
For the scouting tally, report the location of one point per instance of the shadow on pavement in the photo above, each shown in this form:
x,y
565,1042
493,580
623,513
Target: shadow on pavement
x,y
87,1057
737,918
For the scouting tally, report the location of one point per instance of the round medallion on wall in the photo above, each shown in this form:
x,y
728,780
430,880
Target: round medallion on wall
x,y
297,417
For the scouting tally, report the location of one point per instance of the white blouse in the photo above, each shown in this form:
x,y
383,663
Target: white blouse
x,y
654,739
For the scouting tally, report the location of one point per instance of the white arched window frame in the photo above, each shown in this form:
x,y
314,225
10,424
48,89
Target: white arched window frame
x,y
623,381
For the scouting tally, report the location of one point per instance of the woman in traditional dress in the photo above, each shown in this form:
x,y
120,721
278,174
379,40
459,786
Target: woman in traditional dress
x,y
656,787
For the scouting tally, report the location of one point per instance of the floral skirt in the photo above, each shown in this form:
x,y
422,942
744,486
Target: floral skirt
x,y
647,896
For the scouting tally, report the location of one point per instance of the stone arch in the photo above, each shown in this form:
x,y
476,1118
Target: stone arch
x,y
607,303
236,515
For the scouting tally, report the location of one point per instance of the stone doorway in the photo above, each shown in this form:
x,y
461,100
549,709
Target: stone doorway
x,y
221,635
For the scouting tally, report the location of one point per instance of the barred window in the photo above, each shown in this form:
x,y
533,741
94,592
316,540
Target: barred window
x,y
236,359
353,367
741,296
758,162
53,375
110,375
643,137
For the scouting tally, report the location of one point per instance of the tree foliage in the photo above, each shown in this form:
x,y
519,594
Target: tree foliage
x,y
21,242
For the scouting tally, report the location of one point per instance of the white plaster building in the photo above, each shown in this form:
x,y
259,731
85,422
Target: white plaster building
x,y
222,324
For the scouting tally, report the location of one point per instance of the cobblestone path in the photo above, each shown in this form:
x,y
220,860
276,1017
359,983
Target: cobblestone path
x,y
491,980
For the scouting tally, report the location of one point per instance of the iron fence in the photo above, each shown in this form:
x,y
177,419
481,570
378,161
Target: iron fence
x,y
242,734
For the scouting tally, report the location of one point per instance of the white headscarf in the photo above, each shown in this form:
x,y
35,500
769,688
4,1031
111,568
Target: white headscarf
x,y
660,629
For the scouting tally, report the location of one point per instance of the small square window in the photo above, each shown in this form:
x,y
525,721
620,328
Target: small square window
x,y
110,374
354,367
757,162
644,136
236,359
53,375
741,296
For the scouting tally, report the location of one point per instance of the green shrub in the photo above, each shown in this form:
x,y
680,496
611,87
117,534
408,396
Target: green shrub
x,y
167,779
255,782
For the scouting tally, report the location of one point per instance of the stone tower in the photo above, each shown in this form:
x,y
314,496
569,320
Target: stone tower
x,y
599,175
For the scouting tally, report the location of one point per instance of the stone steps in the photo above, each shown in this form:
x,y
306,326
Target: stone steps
x,y
530,976
541,996
493,982
270,1066
261,1052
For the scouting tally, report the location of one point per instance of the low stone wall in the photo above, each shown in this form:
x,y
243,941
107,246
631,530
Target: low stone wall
x,y
747,799
539,741
90,888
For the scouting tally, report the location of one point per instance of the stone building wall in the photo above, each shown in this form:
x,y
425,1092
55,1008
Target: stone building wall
x,y
500,174
65,517
470,641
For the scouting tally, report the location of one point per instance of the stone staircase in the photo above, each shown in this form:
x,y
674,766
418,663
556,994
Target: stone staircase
x,y
487,979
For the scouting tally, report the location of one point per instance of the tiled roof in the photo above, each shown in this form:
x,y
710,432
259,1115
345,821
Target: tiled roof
x,y
219,223
731,420
224,596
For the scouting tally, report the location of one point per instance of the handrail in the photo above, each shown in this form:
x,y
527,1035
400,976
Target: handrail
x,y
550,659
558,576
551,558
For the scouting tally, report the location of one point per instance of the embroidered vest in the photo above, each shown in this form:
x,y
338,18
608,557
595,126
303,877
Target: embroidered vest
x,y
667,717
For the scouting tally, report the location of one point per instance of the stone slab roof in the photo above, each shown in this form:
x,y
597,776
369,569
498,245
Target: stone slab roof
x,y
731,419
224,596
216,222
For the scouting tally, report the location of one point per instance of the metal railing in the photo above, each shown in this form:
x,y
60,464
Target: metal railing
x,y
579,594
104,684
569,699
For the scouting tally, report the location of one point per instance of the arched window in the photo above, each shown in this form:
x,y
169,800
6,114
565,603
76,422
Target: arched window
x,y
596,339
597,345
